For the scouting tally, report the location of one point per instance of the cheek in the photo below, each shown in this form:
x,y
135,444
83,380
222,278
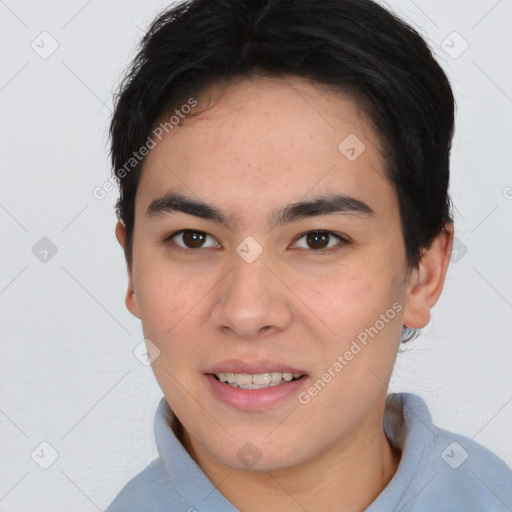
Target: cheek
x,y
359,303
166,297
363,310
345,299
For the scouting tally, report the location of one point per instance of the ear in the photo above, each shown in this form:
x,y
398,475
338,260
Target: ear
x,y
426,281
130,299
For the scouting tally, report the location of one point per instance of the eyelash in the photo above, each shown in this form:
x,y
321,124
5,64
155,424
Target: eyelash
x,y
342,240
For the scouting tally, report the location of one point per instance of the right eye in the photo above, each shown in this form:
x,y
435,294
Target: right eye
x,y
189,239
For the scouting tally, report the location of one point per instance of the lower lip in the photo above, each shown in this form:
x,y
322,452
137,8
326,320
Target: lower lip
x,y
254,399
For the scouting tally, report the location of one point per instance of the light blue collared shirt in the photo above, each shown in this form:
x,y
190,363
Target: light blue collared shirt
x,y
438,471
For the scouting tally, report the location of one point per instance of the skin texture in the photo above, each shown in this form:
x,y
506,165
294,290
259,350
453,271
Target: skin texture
x,y
261,144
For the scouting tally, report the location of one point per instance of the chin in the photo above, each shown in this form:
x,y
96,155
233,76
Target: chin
x,y
260,456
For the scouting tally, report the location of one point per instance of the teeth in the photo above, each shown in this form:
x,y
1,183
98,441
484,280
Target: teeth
x,y
275,377
260,378
257,381
243,379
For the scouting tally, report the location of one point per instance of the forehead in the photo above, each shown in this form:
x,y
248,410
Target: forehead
x,y
264,142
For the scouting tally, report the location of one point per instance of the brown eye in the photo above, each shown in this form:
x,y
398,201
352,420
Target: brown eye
x,y
319,240
191,239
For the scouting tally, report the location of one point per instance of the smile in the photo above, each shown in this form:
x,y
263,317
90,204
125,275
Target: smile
x,y
256,381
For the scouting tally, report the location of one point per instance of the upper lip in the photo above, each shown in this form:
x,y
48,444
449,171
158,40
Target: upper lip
x,y
253,367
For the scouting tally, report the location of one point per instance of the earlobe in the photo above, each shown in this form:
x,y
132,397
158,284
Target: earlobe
x,y
120,233
130,299
426,281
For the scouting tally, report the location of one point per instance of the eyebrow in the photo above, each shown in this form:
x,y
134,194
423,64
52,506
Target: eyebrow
x,y
321,205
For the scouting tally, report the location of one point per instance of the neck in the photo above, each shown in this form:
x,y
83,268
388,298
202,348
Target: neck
x,y
348,477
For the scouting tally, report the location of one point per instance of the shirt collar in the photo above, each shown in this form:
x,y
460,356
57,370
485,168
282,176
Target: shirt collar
x,y
407,424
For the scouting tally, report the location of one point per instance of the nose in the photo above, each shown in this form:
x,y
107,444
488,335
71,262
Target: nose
x,y
251,301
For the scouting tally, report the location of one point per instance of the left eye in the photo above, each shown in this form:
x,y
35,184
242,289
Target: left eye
x,y
318,240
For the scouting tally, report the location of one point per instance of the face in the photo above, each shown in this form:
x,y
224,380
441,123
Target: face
x,y
277,251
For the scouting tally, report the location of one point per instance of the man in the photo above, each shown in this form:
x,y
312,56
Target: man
x,y
284,212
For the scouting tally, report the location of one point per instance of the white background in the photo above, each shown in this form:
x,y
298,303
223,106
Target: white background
x,y
68,373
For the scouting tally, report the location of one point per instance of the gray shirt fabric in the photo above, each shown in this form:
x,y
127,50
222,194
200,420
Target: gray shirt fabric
x,y
438,472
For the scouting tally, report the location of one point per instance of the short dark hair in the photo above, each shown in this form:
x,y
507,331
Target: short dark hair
x,y
351,46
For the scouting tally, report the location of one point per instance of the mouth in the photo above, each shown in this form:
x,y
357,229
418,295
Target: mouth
x,y
256,380
255,385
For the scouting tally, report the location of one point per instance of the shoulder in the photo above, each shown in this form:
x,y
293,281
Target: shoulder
x,y
470,474
148,491
451,471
